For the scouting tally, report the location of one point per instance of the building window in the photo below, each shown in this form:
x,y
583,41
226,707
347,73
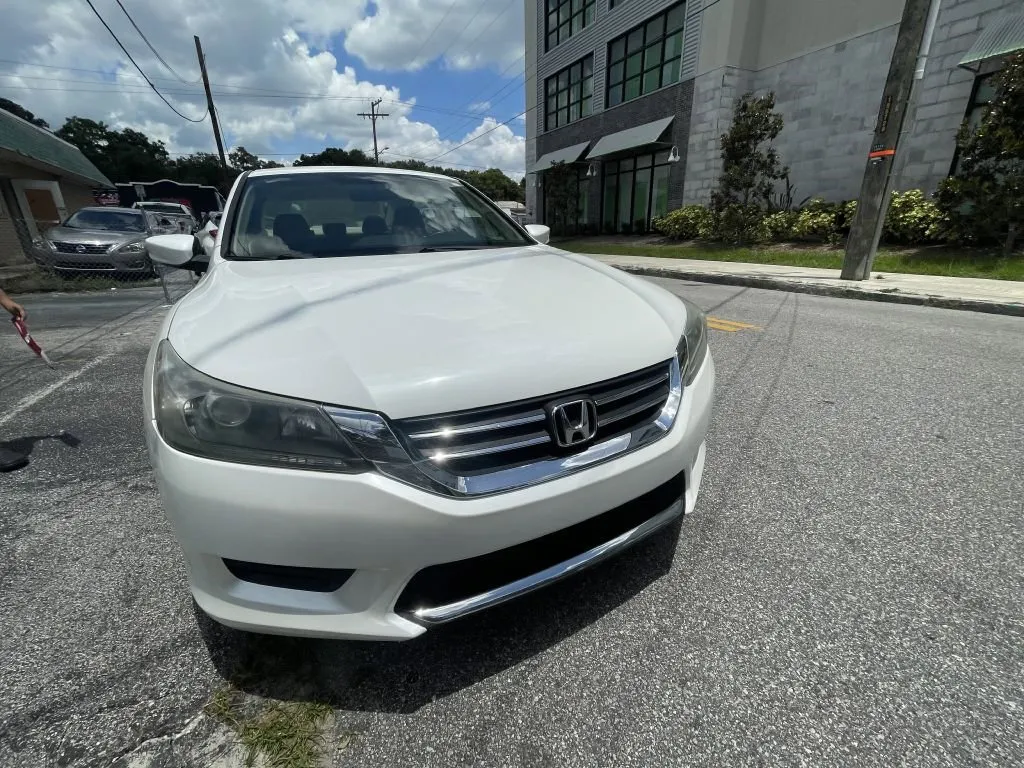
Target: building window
x,y
567,17
613,3
981,99
577,220
635,192
647,57
569,94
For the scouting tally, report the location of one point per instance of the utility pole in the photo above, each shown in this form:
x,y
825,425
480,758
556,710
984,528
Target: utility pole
x,y
210,107
373,114
874,191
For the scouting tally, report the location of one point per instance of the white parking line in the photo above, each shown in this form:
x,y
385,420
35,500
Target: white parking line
x,y
48,390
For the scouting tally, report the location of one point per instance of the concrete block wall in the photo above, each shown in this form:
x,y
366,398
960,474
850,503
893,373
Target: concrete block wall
x,y
714,96
944,92
829,100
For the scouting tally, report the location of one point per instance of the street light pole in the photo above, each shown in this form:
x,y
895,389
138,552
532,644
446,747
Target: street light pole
x,y
874,191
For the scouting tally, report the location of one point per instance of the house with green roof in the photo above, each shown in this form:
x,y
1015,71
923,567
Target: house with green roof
x,y
43,180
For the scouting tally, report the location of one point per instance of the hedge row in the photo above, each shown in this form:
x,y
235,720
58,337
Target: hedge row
x,y
912,220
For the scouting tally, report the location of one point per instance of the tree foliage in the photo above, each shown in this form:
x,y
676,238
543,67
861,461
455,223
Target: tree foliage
x,y
242,159
129,155
16,109
984,200
751,167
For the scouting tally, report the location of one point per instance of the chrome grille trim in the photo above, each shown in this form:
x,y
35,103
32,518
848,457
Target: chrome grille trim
x,y
475,428
629,392
90,249
388,446
501,448
632,411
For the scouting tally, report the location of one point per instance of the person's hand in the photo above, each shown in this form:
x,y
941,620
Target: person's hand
x,y
17,311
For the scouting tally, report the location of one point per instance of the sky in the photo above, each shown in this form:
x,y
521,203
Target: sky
x,y
288,76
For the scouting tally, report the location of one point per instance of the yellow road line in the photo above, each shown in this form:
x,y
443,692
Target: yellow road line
x,y
731,326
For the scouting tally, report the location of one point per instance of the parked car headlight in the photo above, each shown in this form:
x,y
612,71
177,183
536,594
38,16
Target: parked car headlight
x,y
132,248
693,346
202,416
43,244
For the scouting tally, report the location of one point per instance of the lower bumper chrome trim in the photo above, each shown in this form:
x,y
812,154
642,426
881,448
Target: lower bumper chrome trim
x,y
443,613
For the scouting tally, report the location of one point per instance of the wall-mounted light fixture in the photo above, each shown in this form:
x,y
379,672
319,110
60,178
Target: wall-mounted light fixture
x,y
592,170
673,155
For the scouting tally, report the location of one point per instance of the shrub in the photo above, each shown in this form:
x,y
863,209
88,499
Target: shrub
x,y
912,219
821,220
738,224
984,202
687,223
777,227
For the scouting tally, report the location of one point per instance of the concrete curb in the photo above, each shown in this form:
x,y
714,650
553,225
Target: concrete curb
x,y
893,296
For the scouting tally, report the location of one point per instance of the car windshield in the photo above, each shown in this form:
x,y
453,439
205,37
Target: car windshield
x,y
358,213
111,221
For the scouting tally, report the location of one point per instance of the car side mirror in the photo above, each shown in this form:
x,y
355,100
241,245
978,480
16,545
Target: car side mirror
x,y
171,250
539,232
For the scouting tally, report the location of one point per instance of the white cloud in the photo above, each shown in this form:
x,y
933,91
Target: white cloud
x,y
480,106
270,45
409,34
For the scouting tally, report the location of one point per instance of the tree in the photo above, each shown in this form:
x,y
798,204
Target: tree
x,y
88,135
243,160
16,109
202,168
750,166
335,156
984,199
126,155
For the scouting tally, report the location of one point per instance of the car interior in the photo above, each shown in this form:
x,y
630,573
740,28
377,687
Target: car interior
x,y
359,214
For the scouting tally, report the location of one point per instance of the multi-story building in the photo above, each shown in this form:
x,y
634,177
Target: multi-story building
x,y
634,94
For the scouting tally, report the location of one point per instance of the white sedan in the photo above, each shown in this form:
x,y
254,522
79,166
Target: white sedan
x,y
365,422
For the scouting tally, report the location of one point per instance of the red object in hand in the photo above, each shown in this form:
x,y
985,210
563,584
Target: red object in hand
x,y
23,331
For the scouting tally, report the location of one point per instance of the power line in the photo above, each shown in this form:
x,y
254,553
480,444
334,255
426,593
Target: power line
x,y
433,31
460,165
469,23
481,32
112,87
156,53
125,50
476,138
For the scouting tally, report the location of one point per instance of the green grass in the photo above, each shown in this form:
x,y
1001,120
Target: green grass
x,y
942,261
277,733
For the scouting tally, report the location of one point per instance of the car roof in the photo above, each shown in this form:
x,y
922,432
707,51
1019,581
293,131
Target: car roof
x,y
115,208
347,169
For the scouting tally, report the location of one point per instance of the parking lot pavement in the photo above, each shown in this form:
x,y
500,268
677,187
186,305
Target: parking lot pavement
x,y
846,592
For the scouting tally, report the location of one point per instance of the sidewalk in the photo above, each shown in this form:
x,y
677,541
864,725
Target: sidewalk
x,y
1003,297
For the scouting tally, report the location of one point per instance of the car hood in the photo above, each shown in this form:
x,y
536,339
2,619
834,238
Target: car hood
x,y
419,334
92,236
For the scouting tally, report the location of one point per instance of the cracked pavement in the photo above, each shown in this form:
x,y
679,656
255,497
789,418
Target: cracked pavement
x,y
848,590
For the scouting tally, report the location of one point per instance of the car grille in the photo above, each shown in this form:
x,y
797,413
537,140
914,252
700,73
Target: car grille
x,y
73,248
491,439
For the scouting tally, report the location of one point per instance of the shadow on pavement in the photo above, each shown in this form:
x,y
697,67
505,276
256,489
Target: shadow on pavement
x,y
402,677
21,448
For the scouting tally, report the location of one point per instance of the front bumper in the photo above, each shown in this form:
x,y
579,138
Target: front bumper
x,y
101,263
386,533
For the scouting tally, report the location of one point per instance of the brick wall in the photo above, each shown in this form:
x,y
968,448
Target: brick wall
x,y
674,100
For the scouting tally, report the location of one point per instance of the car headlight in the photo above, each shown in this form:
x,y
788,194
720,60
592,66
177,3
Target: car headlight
x,y
205,417
42,243
693,346
132,248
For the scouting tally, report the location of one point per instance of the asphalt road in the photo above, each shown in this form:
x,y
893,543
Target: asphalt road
x,y
847,592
